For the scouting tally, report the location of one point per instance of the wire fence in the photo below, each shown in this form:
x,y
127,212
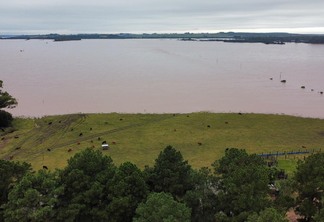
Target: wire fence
x,y
287,154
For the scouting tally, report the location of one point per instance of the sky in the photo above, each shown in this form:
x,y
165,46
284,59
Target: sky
x,y
160,16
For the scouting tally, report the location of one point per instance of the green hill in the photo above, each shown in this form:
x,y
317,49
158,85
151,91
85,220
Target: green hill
x,y
201,137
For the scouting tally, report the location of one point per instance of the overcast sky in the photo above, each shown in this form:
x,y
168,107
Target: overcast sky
x,y
139,16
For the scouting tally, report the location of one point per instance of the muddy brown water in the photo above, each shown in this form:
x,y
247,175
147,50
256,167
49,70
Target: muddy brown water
x,y
162,76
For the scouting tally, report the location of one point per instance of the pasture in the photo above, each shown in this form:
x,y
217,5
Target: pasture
x,y
201,137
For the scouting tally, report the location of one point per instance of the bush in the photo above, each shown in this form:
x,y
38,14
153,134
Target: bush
x,y
5,119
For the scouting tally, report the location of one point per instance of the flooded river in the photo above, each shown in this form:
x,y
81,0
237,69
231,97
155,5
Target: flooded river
x,y
162,76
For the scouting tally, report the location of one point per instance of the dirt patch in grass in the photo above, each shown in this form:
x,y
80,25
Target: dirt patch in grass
x,y
321,133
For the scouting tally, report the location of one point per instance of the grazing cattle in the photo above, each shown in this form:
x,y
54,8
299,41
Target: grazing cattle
x,y
240,113
60,121
304,147
18,148
175,130
113,142
16,137
72,129
208,126
69,150
90,128
91,141
226,122
174,115
50,123
81,134
78,143
48,150
99,138
121,119
45,167
199,143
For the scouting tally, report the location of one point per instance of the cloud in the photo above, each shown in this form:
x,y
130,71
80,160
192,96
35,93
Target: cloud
x,y
157,15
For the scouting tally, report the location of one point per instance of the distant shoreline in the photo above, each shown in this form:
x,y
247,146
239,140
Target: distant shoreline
x,y
239,37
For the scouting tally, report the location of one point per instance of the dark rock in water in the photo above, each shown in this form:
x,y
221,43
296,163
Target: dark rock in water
x,y
303,87
283,81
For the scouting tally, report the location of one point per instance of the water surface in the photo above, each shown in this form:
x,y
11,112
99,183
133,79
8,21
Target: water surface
x,y
162,76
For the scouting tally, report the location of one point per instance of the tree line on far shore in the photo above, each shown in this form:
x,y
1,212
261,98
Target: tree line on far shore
x,y
238,187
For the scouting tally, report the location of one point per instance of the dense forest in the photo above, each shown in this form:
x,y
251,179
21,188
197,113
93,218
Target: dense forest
x,y
237,187
267,38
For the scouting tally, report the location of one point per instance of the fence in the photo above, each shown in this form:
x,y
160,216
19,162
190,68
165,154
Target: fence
x,y
287,153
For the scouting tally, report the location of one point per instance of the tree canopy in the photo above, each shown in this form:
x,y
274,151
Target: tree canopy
x,y
6,100
310,185
85,183
162,207
243,187
33,198
170,173
92,188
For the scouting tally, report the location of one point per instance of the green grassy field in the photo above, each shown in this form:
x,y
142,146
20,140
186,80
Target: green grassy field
x,y
139,138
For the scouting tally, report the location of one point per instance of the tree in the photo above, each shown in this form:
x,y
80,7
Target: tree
x,y
319,217
170,173
285,198
128,190
6,100
33,198
86,187
5,118
202,199
243,186
310,186
10,174
162,207
267,215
